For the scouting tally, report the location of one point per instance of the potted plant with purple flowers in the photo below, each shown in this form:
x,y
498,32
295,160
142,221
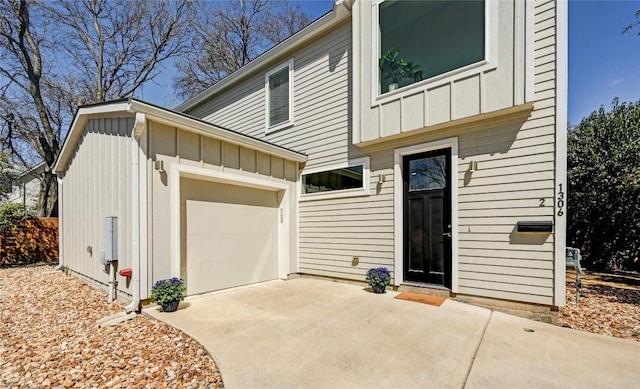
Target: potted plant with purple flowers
x,y
378,278
168,293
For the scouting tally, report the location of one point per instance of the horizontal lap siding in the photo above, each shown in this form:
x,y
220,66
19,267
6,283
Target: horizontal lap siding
x,y
494,260
96,185
516,165
334,231
321,102
331,232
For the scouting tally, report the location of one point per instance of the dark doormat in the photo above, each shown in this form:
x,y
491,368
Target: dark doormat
x,y
421,298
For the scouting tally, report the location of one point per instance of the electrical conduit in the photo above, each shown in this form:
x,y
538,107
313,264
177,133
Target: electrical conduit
x,y
60,221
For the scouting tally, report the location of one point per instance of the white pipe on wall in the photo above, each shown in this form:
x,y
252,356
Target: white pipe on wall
x,y
60,224
112,282
138,127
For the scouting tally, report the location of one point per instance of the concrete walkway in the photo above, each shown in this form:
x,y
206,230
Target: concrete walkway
x,y
314,333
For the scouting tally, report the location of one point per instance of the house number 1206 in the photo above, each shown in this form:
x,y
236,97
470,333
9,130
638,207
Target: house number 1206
x,y
560,202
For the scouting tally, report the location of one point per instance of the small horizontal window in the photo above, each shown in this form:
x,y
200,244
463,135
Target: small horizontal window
x,y
332,180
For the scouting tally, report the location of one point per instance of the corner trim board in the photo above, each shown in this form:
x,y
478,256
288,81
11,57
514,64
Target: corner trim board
x,y
561,152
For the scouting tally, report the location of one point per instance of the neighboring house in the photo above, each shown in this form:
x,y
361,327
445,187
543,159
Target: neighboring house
x,y
25,188
307,160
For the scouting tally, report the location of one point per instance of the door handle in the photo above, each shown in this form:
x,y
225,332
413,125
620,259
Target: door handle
x,y
447,234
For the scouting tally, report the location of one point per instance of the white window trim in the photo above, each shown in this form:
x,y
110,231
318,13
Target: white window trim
x,y
489,62
355,192
288,123
398,201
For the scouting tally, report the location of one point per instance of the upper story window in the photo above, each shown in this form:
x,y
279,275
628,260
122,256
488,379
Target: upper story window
x,y
419,40
279,94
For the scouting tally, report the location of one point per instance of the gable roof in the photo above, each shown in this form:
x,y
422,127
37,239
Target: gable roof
x,y
32,172
132,106
341,11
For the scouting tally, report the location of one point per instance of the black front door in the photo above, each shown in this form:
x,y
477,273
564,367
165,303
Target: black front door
x,y
427,217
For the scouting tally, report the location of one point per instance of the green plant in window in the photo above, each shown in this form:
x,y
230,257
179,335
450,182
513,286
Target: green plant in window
x,y
396,69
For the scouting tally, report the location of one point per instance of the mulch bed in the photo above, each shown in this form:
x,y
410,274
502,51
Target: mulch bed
x,y
608,305
49,337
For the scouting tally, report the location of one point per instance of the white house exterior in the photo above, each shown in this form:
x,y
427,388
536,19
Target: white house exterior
x,y
327,170
25,188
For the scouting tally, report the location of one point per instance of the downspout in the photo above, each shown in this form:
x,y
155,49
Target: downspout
x,y
138,127
348,4
112,281
60,221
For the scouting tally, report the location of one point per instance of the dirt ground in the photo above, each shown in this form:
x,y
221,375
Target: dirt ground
x,y
608,304
49,338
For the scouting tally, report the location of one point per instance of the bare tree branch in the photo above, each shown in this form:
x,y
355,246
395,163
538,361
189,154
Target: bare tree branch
x,y
54,54
229,35
120,48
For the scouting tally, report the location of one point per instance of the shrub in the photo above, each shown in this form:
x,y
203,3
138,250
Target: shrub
x,y
11,215
604,187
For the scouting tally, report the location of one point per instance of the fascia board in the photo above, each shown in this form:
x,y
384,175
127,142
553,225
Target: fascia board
x,y
315,29
77,127
174,119
164,116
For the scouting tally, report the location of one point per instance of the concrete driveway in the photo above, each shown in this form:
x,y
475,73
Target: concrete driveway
x,y
316,333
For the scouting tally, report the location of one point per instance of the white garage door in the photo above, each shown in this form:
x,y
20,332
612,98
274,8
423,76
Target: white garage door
x,y
229,235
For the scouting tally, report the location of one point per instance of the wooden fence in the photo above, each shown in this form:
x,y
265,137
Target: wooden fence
x,y
35,240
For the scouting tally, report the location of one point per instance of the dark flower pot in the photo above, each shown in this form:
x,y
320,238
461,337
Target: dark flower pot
x,y
171,306
378,288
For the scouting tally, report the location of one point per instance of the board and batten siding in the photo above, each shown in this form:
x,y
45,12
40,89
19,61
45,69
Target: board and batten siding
x,y
497,85
174,145
97,184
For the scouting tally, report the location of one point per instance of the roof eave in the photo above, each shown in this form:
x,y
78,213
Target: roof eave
x,y
79,121
168,117
341,11
163,115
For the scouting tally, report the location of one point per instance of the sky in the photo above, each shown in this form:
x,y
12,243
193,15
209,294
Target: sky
x,y
603,63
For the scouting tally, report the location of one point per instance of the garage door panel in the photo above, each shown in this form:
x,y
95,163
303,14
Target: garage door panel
x,y
223,248
227,244
218,263
214,218
212,191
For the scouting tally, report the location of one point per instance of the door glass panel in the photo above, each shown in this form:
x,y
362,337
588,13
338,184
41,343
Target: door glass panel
x,y
435,236
427,173
416,234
